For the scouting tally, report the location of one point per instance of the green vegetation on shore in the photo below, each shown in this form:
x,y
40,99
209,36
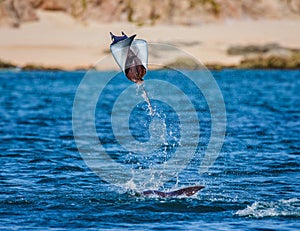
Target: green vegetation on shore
x,y
268,56
28,67
272,62
184,63
6,65
256,61
31,67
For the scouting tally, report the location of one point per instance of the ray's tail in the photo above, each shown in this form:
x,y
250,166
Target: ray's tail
x,y
146,98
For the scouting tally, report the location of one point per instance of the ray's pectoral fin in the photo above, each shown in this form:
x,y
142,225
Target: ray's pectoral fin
x,y
115,39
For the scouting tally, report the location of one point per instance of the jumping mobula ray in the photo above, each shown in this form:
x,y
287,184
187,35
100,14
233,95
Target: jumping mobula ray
x,y
131,55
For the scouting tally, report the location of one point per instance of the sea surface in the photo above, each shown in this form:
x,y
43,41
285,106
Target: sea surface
x,y
254,184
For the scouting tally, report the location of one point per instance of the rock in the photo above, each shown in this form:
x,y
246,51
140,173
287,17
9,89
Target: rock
x,y
53,5
267,56
186,12
5,65
294,6
184,63
279,52
250,49
218,66
14,12
273,62
36,67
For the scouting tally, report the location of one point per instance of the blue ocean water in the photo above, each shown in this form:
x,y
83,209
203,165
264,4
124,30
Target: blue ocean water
x,y
253,184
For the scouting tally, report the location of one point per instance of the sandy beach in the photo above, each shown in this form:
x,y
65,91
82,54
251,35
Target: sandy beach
x,y
58,40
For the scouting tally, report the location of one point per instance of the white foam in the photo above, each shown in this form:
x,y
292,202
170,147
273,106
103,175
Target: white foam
x,y
289,207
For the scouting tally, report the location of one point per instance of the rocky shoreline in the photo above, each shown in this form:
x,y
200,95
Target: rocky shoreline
x,y
268,56
148,12
50,35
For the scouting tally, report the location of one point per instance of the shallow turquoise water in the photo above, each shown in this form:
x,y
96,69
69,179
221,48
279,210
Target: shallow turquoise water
x,y
253,185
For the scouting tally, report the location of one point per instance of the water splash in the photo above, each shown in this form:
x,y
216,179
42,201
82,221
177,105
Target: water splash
x,y
281,208
144,94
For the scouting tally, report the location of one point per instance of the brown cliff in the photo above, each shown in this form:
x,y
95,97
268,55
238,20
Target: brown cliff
x,y
149,12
